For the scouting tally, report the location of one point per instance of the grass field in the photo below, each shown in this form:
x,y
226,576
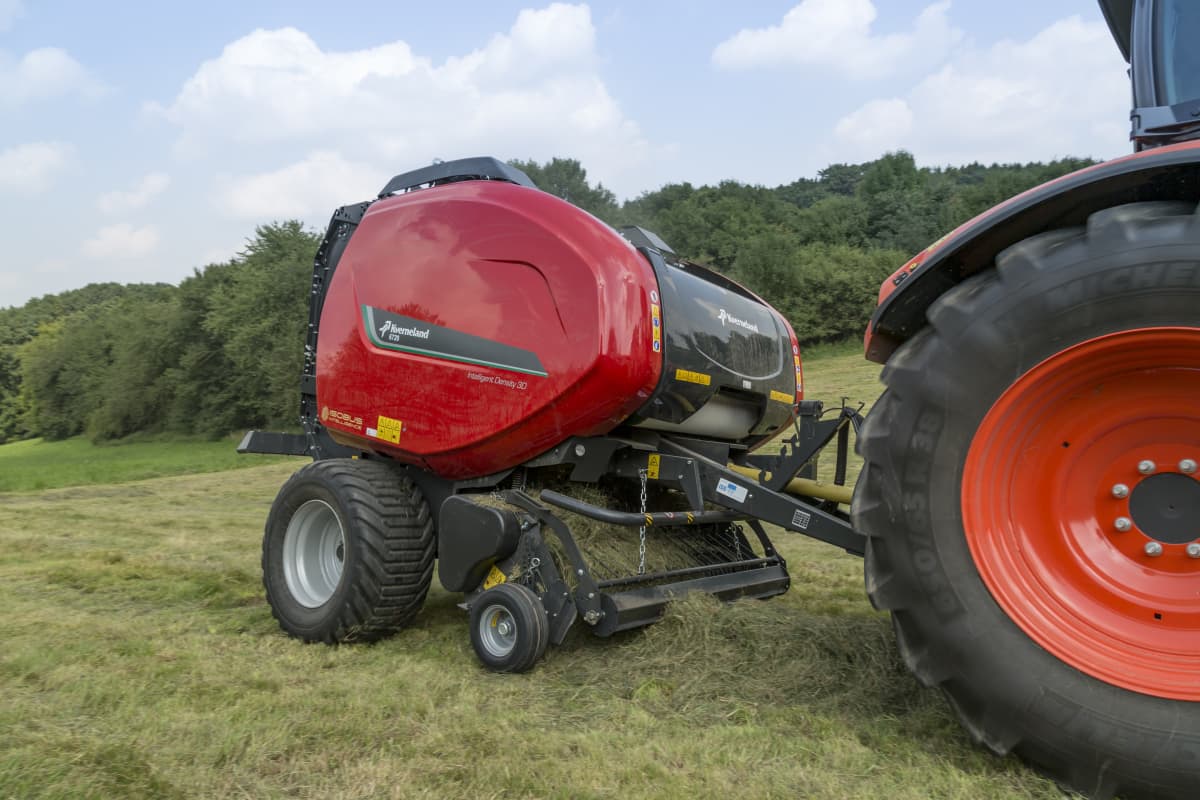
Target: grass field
x,y
139,659
38,464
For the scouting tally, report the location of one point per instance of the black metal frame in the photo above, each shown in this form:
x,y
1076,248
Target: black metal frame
x,y
640,599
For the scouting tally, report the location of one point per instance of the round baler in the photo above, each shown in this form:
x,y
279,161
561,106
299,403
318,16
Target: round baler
x,y
473,340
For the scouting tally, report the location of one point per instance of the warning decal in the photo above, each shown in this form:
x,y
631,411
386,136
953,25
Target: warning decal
x,y
652,464
388,429
688,376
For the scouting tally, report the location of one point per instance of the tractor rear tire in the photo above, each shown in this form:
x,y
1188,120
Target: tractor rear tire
x,y
1029,470
348,552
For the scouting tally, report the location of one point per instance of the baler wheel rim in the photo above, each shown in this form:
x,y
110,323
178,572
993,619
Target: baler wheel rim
x,y
314,548
497,630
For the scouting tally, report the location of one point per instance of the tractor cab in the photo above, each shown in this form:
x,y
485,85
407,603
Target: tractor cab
x,y
1157,38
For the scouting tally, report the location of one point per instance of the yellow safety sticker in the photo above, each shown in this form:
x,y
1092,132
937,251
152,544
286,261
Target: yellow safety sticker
x,y
656,324
687,376
652,466
494,578
389,429
782,397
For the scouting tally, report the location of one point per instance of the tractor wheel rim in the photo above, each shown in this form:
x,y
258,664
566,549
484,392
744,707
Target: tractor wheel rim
x,y
314,551
1075,489
497,631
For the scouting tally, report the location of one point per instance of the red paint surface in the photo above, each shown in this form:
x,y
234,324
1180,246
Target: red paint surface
x,y
508,263
1039,515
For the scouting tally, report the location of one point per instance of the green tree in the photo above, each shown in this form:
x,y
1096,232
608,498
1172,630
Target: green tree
x,y
260,314
566,178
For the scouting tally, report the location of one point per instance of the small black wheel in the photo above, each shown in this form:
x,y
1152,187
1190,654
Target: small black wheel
x,y
509,629
348,552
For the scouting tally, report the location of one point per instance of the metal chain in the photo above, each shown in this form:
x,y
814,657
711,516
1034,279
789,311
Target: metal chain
x,y
737,541
642,530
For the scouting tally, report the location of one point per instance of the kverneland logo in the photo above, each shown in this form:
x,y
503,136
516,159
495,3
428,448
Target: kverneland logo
x,y
392,332
726,317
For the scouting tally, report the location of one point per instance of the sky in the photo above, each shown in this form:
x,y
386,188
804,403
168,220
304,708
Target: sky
x,y
142,140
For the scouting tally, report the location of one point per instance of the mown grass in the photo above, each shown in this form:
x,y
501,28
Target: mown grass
x,y
139,659
39,464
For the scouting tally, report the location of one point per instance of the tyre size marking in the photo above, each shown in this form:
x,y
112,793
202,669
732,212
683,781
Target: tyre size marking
x,y
923,554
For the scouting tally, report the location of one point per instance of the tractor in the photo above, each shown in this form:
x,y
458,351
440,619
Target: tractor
x,y
570,423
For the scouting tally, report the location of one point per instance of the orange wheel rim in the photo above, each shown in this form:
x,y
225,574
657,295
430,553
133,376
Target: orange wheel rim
x,y
1081,507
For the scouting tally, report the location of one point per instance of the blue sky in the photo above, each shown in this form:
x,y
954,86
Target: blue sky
x,y
142,140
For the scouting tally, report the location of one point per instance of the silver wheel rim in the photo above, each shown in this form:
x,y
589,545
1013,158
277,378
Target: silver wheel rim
x,y
497,630
314,550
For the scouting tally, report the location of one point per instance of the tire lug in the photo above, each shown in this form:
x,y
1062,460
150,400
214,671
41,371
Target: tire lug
x,y
1120,490
1193,550
1153,549
1187,466
1123,524
1146,466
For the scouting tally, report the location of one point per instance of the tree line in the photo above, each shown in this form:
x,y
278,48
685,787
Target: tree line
x,y
222,351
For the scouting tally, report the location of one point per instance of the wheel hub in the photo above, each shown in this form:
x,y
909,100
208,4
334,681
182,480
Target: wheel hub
x,y
1166,507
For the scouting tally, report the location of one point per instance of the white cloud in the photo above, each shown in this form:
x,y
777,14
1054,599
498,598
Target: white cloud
x,y
315,185
1062,92
121,241
10,11
877,125
33,166
44,73
531,91
837,34
149,187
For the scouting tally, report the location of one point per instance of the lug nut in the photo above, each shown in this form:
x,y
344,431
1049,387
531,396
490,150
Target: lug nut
x,y
1153,549
1187,466
1146,466
1123,523
1193,550
1120,490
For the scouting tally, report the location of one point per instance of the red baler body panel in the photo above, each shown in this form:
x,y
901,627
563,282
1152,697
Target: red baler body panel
x,y
473,326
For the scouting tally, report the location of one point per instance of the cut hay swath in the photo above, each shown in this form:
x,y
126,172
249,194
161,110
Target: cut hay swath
x,y
614,551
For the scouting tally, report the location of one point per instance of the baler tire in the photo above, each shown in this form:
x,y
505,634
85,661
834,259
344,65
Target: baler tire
x,y
377,580
524,643
957,469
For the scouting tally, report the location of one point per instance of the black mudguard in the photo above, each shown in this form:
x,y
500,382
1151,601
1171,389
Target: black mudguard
x,y
1164,173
